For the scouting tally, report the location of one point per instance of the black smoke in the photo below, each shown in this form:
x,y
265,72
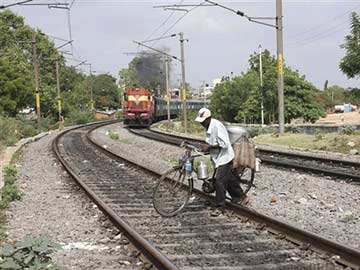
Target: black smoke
x,y
150,72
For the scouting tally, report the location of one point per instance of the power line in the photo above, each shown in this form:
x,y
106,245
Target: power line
x,y
177,21
318,36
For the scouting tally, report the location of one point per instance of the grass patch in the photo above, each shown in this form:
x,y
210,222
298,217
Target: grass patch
x,y
9,192
16,156
177,125
331,142
113,135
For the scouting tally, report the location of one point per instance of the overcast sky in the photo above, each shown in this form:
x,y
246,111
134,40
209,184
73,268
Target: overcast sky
x,y
220,42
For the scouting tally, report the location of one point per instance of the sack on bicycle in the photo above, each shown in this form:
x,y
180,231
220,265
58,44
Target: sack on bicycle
x,y
244,154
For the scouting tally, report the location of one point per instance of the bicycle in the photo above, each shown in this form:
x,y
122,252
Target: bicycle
x,y
174,188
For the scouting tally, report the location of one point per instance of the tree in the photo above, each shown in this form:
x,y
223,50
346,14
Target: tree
x,y
350,63
16,65
106,92
238,99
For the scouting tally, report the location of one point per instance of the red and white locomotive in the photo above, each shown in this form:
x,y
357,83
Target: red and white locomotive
x,y
142,108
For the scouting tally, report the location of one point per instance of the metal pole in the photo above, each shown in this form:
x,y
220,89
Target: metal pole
x,y
279,38
261,86
36,74
58,88
183,82
91,90
167,88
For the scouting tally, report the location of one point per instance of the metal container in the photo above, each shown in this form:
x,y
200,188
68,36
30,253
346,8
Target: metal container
x,y
202,171
235,133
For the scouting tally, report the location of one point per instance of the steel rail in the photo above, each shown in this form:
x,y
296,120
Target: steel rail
x,y
265,159
346,255
159,260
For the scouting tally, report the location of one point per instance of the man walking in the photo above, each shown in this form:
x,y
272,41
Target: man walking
x,y
222,155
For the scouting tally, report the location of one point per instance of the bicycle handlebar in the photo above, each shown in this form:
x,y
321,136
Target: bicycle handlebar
x,y
189,146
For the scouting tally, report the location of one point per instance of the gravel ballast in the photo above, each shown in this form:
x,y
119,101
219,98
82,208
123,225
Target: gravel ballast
x,y
53,205
327,207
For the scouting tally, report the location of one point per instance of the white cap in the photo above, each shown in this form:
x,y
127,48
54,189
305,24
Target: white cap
x,y
203,114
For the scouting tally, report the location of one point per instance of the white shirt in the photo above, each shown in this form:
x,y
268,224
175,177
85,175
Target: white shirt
x,y
217,134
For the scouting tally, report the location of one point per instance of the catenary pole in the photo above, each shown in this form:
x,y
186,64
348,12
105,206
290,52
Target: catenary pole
x,y
91,89
58,88
183,82
280,48
261,85
36,74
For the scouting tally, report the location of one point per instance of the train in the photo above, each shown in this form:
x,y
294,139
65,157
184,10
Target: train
x,y
141,107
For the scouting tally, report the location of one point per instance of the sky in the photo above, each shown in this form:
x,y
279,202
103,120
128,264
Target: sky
x,y
219,41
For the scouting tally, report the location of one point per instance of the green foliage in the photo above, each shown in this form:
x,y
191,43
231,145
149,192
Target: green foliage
x,y
238,99
106,91
258,130
350,63
79,117
30,253
10,130
119,115
9,192
347,130
113,135
16,69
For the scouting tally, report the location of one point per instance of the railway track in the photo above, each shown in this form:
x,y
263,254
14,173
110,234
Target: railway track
x,y
344,169
193,240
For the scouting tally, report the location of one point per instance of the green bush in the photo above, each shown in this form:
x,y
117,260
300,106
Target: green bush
x,y
119,115
30,253
9,192
113,135
10,130
347,130
79,118
255,131
292,129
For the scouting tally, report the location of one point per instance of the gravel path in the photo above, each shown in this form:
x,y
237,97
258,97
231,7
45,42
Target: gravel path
x,y
323,206
54,205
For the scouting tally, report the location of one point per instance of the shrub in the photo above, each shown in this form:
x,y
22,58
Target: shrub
x,y
119,115
292,129
30,253
347,130
113,135
79,117
10,130
9,191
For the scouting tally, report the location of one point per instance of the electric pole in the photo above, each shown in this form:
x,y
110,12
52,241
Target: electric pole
x,y
91,90
167,88
280,48
183,82
261,85
58,87
36,74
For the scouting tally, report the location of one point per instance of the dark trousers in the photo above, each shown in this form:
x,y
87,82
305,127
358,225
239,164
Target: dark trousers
x,y
226,180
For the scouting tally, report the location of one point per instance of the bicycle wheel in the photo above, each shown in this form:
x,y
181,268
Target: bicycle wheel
x,y
172,192
246,176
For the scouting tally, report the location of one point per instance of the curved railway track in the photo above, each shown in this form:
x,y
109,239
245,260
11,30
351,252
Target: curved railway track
x,y
344,169
193,240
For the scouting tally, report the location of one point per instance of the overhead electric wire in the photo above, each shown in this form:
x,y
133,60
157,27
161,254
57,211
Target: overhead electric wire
x,y
178,20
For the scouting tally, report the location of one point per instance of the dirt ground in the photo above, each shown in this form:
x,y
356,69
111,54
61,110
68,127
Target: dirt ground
x,y
341,118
